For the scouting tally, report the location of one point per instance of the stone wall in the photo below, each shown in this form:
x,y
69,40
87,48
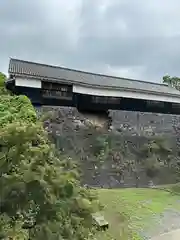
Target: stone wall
x,y
75,134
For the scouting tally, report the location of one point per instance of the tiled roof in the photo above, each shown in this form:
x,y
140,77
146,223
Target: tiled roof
x,y
20,67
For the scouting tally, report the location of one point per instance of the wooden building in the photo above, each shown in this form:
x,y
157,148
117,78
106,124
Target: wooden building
x,y
58,86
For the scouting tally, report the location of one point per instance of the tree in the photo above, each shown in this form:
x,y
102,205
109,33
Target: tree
x,y
40,193
172,81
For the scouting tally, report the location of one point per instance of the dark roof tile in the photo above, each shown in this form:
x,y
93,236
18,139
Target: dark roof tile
x,y
26,68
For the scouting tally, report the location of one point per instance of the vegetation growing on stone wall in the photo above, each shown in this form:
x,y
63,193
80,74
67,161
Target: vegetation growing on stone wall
x,y
40,194
154,154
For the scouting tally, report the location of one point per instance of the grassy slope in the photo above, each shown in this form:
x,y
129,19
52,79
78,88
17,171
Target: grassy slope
x,y
137,205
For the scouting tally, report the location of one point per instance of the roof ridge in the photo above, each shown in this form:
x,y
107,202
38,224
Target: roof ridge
x,y
85,72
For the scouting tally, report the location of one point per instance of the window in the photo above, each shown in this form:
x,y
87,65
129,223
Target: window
x,y
57,94
114,100
151,103
56,86
63,89
56,90
105,100
176,106
96,99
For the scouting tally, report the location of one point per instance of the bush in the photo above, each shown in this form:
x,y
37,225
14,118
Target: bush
x,y
2,79
39,196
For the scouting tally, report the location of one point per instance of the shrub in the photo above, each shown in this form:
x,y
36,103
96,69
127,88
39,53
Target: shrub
x,y
39,196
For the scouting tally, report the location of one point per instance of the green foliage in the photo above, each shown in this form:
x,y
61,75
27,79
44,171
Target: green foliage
x,y
100,145
173,188
16,109
2,79
2,83
155,154
155,146
39,188
172,81
152,167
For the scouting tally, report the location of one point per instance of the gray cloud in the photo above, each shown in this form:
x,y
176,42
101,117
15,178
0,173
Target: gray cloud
x,y
137,39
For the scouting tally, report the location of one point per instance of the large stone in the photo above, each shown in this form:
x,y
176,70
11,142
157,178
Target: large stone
x,y
99,221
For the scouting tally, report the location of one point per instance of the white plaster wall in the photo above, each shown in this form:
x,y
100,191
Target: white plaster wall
x,y
33,83
125,94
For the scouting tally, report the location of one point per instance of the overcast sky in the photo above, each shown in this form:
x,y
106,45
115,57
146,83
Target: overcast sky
x,y
129,38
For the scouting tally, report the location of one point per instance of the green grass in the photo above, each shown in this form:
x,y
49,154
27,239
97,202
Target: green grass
x,y
173,188
130,210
